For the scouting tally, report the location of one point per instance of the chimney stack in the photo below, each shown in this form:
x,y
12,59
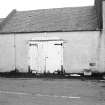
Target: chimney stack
x,y
99,9
103,13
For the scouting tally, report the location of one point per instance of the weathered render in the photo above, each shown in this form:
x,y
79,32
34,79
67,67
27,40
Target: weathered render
x,y
79,49
71,39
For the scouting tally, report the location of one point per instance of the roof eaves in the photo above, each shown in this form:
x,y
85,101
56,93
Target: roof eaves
x,y
48,31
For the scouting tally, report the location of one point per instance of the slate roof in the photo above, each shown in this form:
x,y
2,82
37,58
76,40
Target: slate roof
x,y
51,20
1,19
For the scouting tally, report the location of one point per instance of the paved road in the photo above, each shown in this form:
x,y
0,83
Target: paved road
x,y
51,92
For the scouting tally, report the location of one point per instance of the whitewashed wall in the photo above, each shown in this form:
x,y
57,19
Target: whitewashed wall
x,y
101,53
6,53
80,49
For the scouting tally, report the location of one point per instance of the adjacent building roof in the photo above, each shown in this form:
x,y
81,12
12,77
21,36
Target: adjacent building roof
x,y
1,19
51,20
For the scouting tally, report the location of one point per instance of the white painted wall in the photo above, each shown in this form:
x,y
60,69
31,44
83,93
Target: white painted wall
x,y
6,53
80,49
101,53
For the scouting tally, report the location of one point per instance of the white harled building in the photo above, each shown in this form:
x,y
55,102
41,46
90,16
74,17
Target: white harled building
x,y
47,40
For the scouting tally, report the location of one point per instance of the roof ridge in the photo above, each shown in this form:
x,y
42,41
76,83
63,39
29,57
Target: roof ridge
x,y
55,8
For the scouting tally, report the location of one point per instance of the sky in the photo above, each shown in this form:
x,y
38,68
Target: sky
x,y
6,6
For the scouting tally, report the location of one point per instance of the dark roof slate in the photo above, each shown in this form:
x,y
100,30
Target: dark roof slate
x,y
1,19
46,20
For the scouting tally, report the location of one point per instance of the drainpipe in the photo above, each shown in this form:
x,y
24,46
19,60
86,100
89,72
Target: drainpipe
x,y
45,64
99,50
15,69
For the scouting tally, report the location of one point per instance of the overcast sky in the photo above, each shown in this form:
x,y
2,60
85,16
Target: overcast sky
x,y
6,6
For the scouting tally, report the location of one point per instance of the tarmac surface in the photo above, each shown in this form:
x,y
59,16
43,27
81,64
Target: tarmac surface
x,y
51,91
